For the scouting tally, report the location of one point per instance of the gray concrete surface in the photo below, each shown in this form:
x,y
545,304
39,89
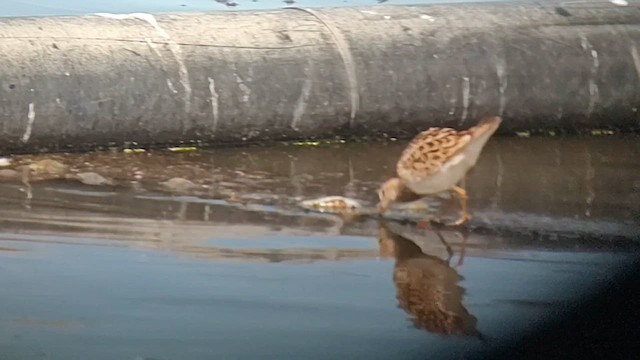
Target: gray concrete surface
x,y
75,82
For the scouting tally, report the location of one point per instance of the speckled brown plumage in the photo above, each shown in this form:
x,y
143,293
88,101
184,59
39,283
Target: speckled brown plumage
x,y
435,161
429,150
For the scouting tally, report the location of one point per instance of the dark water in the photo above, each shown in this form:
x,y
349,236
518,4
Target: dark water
x,y
234,269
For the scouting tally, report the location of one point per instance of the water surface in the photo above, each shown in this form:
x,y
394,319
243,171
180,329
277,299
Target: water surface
x,y
234,269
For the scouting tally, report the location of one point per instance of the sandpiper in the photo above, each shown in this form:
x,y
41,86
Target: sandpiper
x,y
436,160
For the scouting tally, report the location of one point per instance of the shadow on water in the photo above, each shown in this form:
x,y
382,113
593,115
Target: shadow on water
x,y
228,254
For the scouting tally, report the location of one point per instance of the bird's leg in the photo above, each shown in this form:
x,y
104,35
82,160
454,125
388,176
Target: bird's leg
x,y
464,214
426,223
446,245
465,236
423,224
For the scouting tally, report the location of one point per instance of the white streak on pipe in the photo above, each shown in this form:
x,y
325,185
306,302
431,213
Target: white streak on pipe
x,y
301,104
246,92
153,48
347,58
636,59
619,2
466,88
183,73
214,102
31,117
171,87
502,84
594,92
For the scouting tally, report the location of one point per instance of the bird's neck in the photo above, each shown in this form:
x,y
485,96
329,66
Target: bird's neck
x,y
405,194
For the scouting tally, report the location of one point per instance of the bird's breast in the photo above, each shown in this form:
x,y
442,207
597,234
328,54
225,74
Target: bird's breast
x,y
446,178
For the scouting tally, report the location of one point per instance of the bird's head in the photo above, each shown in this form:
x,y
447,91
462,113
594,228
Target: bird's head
x,y
388,193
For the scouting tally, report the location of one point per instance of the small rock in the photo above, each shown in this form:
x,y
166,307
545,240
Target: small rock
x,y
332,204
91,178
48,167
138,174
179,184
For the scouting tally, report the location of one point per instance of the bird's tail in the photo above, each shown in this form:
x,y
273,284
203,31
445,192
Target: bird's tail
x,y
487,125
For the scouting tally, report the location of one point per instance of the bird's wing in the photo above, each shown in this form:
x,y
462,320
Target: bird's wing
x,y
429,151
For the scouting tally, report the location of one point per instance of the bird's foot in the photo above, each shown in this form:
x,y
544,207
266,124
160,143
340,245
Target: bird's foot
x,y
426,223
423,224
461,220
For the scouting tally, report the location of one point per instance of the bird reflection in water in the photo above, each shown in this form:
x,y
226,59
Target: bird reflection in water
x,y
427,286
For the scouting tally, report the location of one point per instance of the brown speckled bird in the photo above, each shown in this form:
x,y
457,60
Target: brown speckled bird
x,y
436,160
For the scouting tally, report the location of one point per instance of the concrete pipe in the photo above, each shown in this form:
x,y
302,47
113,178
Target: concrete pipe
x,y
215,78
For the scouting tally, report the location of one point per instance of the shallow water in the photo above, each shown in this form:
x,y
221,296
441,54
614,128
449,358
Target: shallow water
x,y
234,268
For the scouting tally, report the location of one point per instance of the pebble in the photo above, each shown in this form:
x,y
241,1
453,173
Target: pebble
x,y
91,178
48,167
179,184
334,204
